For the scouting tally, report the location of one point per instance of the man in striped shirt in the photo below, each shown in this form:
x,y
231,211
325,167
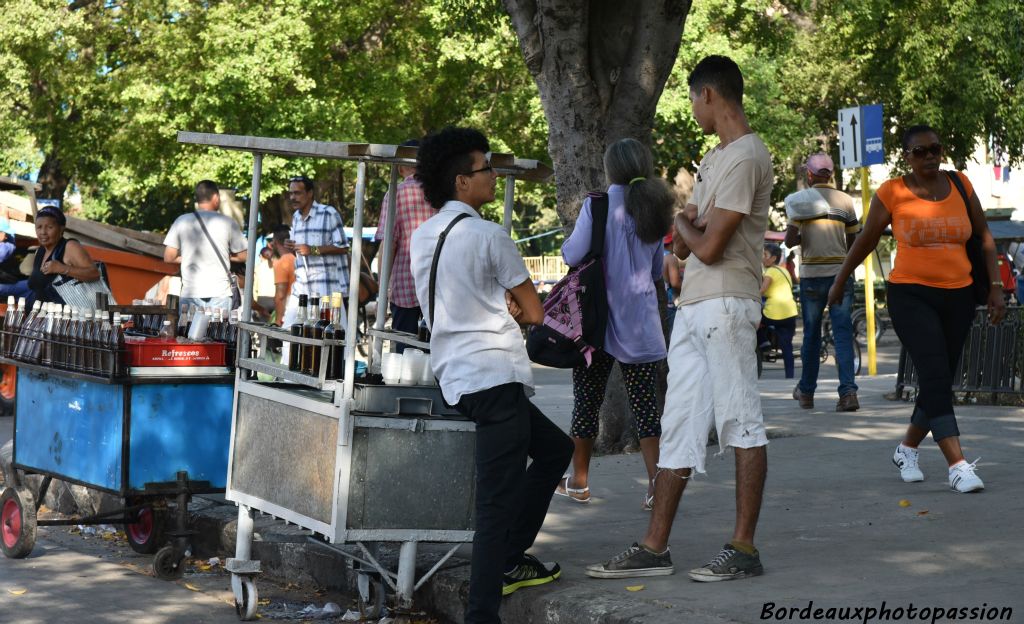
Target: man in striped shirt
x,y
411,209
823,222
318,242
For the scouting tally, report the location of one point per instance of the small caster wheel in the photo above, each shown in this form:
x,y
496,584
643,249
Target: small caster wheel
x,y
246,597
146,535
371,596
17,522
168,565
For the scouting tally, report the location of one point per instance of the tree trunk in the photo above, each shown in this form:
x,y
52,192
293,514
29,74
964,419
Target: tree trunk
x,y
52,178
600,67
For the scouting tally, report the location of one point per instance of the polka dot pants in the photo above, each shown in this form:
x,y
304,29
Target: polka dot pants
x,y
588,386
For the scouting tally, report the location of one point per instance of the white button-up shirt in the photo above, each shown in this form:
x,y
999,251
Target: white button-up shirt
x,y
475,344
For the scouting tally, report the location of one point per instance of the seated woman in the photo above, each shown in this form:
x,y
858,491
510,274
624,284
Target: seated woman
x,y
779,306
57,256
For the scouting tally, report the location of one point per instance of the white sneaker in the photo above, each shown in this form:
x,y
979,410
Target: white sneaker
x,y
962,478
905,459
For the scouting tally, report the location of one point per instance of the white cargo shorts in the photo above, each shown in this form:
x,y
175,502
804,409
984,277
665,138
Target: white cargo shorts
x,y
712,380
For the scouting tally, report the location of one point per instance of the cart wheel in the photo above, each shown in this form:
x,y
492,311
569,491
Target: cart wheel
x,y
246,597
17,522
168,564
371,596
145,535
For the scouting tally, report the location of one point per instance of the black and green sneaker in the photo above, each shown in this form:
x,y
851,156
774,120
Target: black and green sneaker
x,y
529,573
730,564
636,560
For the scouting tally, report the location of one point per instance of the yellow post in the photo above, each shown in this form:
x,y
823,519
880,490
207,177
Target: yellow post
x,y
869,279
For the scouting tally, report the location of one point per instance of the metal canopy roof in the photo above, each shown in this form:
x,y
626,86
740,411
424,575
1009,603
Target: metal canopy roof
x,y
1008,230
505,164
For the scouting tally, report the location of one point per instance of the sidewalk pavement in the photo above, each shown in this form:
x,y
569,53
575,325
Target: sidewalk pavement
x,y
838,527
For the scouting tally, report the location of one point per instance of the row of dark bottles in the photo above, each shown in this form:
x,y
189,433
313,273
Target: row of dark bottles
x,y
63,337
323,320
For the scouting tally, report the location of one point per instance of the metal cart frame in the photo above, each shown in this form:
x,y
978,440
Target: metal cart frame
x,y
68,459
338,399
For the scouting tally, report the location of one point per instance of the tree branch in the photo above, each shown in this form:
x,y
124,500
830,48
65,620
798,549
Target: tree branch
x,y
525,22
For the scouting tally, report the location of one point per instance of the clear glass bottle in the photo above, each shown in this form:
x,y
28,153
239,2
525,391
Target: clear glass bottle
x,y
166,331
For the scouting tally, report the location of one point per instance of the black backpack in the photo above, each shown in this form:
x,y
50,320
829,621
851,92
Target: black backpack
x,y
576,309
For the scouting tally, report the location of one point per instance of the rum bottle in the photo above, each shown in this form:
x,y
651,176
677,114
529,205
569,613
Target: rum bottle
x,y
295,349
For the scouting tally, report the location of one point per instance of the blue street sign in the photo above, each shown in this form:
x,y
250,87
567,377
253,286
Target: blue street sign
x,y
871,128
860,136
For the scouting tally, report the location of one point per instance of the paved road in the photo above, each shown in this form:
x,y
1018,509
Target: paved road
x,y
66,580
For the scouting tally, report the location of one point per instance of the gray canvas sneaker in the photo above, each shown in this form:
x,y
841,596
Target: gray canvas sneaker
x,y
636,560
730,564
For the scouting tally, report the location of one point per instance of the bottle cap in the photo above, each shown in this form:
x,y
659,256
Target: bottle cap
x,y
10,300
325,300
336,300
303,300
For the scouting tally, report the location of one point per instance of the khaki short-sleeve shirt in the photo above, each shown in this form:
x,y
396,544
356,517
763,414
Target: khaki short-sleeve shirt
x,y
736,177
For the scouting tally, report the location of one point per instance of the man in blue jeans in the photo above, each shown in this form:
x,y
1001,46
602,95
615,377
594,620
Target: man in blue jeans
x,y
823,222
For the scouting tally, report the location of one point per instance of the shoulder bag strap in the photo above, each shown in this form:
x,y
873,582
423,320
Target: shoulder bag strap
x,y
212,244
955,179
437,255
785,274
599,216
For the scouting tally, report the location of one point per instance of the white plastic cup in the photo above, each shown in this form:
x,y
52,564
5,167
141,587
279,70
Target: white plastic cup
x,y
427,378
412,366
200,323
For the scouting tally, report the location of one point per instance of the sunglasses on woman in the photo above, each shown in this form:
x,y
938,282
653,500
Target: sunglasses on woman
x,y
920,150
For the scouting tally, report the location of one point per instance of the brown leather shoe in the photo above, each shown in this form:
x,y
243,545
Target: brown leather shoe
x,y
806,400
848,403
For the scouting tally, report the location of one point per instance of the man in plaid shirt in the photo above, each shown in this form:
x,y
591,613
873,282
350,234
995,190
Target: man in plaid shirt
x,y
318,242
411,209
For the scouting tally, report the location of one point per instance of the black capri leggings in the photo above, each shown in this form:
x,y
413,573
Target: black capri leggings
x,y
588,386
932,323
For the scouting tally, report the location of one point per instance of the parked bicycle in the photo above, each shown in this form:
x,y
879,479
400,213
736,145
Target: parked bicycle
x,y
772,353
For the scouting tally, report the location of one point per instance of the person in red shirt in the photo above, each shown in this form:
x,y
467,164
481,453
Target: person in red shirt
x,y
411,209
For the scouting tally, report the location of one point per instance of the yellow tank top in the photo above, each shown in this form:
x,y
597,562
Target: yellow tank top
x,y
779,303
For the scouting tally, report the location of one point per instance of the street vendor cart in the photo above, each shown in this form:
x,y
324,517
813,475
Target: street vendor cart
x,y
148,435
351,460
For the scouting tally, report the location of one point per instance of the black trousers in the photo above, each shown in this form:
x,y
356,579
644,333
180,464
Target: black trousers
x,y
406,320
511,498
932,323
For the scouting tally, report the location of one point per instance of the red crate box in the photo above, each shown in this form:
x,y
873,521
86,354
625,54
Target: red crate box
x,y
156,352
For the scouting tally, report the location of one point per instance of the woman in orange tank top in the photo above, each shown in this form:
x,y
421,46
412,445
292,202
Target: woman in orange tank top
x,y
930,298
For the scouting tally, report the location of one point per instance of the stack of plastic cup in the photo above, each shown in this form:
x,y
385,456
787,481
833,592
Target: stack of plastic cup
x,y
413,361
427,378
391,368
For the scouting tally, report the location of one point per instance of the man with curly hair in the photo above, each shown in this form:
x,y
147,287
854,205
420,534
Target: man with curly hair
x,y
482,294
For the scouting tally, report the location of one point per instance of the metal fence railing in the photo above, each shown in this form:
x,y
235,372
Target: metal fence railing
x,y
546,268
992,362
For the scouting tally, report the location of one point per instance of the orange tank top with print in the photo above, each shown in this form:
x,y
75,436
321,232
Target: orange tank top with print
x,y
930,236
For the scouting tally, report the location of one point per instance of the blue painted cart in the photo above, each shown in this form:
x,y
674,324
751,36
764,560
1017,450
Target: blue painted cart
x,y
144,439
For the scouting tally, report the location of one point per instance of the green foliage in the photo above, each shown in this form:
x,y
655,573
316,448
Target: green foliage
x,y
103,87
954,64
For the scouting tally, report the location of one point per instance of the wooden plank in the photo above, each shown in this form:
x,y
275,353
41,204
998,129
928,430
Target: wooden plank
x,y
280,147
114,239
154,238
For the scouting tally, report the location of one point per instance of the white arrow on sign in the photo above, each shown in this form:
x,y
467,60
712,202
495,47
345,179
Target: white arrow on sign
x,y
850,155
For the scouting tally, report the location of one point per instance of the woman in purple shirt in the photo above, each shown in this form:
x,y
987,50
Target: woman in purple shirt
x,y
639,215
